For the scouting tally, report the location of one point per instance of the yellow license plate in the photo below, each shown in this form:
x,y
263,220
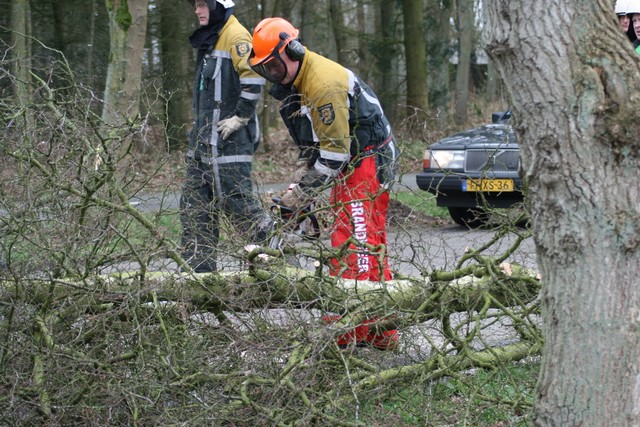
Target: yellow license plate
x,y
488,185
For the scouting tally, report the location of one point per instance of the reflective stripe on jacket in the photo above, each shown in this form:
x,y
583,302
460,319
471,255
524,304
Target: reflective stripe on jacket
x,y
225,86
335,112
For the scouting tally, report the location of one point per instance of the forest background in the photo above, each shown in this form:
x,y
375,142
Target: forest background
x,y
428,69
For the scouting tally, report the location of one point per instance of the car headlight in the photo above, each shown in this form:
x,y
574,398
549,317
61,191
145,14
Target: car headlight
x,y
444,159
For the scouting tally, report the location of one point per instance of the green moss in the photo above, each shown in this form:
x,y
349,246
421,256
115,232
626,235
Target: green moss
x,y
123,17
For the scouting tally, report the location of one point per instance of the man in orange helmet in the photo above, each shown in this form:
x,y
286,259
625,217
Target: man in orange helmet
x,y
345,142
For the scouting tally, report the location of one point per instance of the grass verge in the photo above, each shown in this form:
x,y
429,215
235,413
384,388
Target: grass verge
x,y
498,397
422,202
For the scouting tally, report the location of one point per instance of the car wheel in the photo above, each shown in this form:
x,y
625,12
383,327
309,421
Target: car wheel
x,y
469,217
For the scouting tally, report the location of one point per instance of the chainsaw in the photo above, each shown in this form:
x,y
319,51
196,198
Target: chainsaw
x,y
303,223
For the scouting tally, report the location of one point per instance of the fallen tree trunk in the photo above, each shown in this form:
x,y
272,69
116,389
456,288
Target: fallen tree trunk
x,y
273,288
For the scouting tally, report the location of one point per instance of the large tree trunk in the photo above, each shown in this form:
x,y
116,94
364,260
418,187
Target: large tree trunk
x,y
415,56
465,47
128,26
573,81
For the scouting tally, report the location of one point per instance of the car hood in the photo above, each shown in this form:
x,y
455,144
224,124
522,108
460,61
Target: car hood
x,y
489,135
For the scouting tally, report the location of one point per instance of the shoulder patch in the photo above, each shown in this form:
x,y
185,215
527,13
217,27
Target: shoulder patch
x,y
327,115
242,48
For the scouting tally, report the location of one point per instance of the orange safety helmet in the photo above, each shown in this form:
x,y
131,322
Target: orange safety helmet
x,y
268,37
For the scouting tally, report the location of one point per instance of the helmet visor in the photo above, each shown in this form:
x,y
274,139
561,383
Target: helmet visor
x,y
271,68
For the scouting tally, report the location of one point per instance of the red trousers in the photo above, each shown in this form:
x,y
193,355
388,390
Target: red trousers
x,y
359,205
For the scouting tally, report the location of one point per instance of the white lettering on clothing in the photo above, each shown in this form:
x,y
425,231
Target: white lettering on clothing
x,y
360,234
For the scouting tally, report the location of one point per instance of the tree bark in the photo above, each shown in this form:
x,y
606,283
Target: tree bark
x,y
344,47
415,56
176,65
438,34
92,38
465,47
73,30
363,64
573,78
386,56
21,26
127,26
313,24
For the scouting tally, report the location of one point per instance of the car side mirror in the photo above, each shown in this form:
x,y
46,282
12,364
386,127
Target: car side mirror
x,y
500,116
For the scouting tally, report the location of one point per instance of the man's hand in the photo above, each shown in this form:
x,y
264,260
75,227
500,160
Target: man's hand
x,y
302,167
295,198
228,126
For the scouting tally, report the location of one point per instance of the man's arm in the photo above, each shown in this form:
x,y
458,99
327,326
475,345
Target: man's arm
x,y
250,85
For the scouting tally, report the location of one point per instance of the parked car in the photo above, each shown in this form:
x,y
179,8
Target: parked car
x,y
474,170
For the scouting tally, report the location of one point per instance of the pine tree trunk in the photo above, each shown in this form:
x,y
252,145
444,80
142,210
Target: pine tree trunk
x,y
387,57
344,45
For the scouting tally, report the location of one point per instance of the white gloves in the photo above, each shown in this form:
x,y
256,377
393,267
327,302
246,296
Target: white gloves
x,y
295,198
228,126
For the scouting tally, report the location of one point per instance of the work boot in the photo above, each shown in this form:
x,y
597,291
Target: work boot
x,y
201,258
385,340
357,336
206,265
362,335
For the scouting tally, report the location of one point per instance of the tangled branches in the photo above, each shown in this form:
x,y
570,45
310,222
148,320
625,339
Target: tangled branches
x,y
176,346
98,326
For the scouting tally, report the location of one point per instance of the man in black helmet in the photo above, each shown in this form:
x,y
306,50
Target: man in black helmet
x,y
223,139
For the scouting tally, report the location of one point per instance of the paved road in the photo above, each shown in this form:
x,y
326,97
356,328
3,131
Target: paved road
x,y
412,251
422,251
158,201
